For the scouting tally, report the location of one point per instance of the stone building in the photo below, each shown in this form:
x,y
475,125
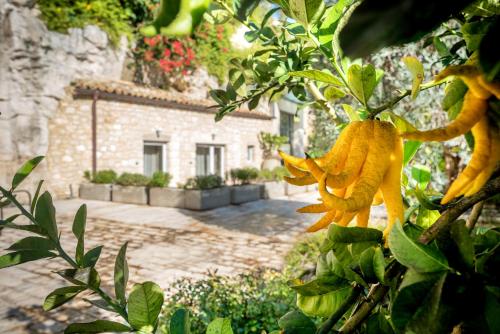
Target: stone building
x,y
143,130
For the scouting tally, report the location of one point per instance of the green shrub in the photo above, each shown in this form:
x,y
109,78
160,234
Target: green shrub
x,y
253,301
301,259
109,15
160,179
276,174
102,177
244,175
204,182
133,179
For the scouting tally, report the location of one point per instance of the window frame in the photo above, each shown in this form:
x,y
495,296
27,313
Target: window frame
x,y
164,160
211,158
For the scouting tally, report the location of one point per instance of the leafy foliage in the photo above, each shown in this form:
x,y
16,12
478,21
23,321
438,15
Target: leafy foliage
x,y
275,174
244,175
270,142
107,176
204,182
132,179
160,179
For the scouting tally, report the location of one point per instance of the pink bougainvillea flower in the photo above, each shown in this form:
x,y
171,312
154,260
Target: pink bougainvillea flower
x,y
149,55
167,53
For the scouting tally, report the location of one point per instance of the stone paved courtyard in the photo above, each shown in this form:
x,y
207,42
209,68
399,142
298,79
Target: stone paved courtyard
x,y
164,245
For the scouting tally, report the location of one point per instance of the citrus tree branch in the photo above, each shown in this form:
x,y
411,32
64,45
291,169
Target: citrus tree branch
x,y
474,215
450,215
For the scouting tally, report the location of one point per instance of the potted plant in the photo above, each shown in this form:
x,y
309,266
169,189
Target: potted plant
x,y
162,195
270,143
131,188
99,187
242,190
206,192
273,185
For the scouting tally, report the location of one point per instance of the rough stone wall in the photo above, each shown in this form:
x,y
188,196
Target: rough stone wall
x,y
122,129
36,65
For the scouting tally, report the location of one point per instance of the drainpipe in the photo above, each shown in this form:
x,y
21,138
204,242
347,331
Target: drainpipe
x,y
95,97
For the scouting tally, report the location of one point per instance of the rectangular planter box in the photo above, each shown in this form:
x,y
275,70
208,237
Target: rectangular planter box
x,y
273,189
245,193
292,189
207,199
98,192
169,197
132,194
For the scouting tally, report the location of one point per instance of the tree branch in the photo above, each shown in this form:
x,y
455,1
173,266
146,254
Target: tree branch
x,y
474,215
450,215
327,326
320,99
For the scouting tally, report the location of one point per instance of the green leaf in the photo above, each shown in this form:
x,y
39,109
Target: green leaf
x,y
98,326
429,308
362,81
179,323
429,203
353,114
35,197
492,310
378,324
121,274
421,174
460,235
417,72
342,234
23,256
220,326
295,322
441,48
488,53
33,243
453,98
366,264
25,170
323,305
412,254
45,215
100,303
379,264
410,148
473,32
330,22
91,257
28,228
318,76
426,217
376,24
87,276
332,93
306,12
61,296
79,232
144,306
317,286
244,8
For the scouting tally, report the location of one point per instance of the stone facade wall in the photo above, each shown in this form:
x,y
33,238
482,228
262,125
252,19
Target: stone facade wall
x,y
36,65
122,129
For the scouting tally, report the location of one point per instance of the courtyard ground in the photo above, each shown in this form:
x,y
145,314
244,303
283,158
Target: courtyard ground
x,y
164,245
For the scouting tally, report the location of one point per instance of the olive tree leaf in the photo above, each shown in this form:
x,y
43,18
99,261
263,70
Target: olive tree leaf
x,y
121,274
179,323
45,215
412,254
33,243
220,326
98,326
61,296
318,76
23,256
295,322
417,72
144,306
306,12
79,232
25,170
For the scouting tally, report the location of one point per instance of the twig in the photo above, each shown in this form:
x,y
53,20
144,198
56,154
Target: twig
x,y
474,215
320,99
327,326
450,215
